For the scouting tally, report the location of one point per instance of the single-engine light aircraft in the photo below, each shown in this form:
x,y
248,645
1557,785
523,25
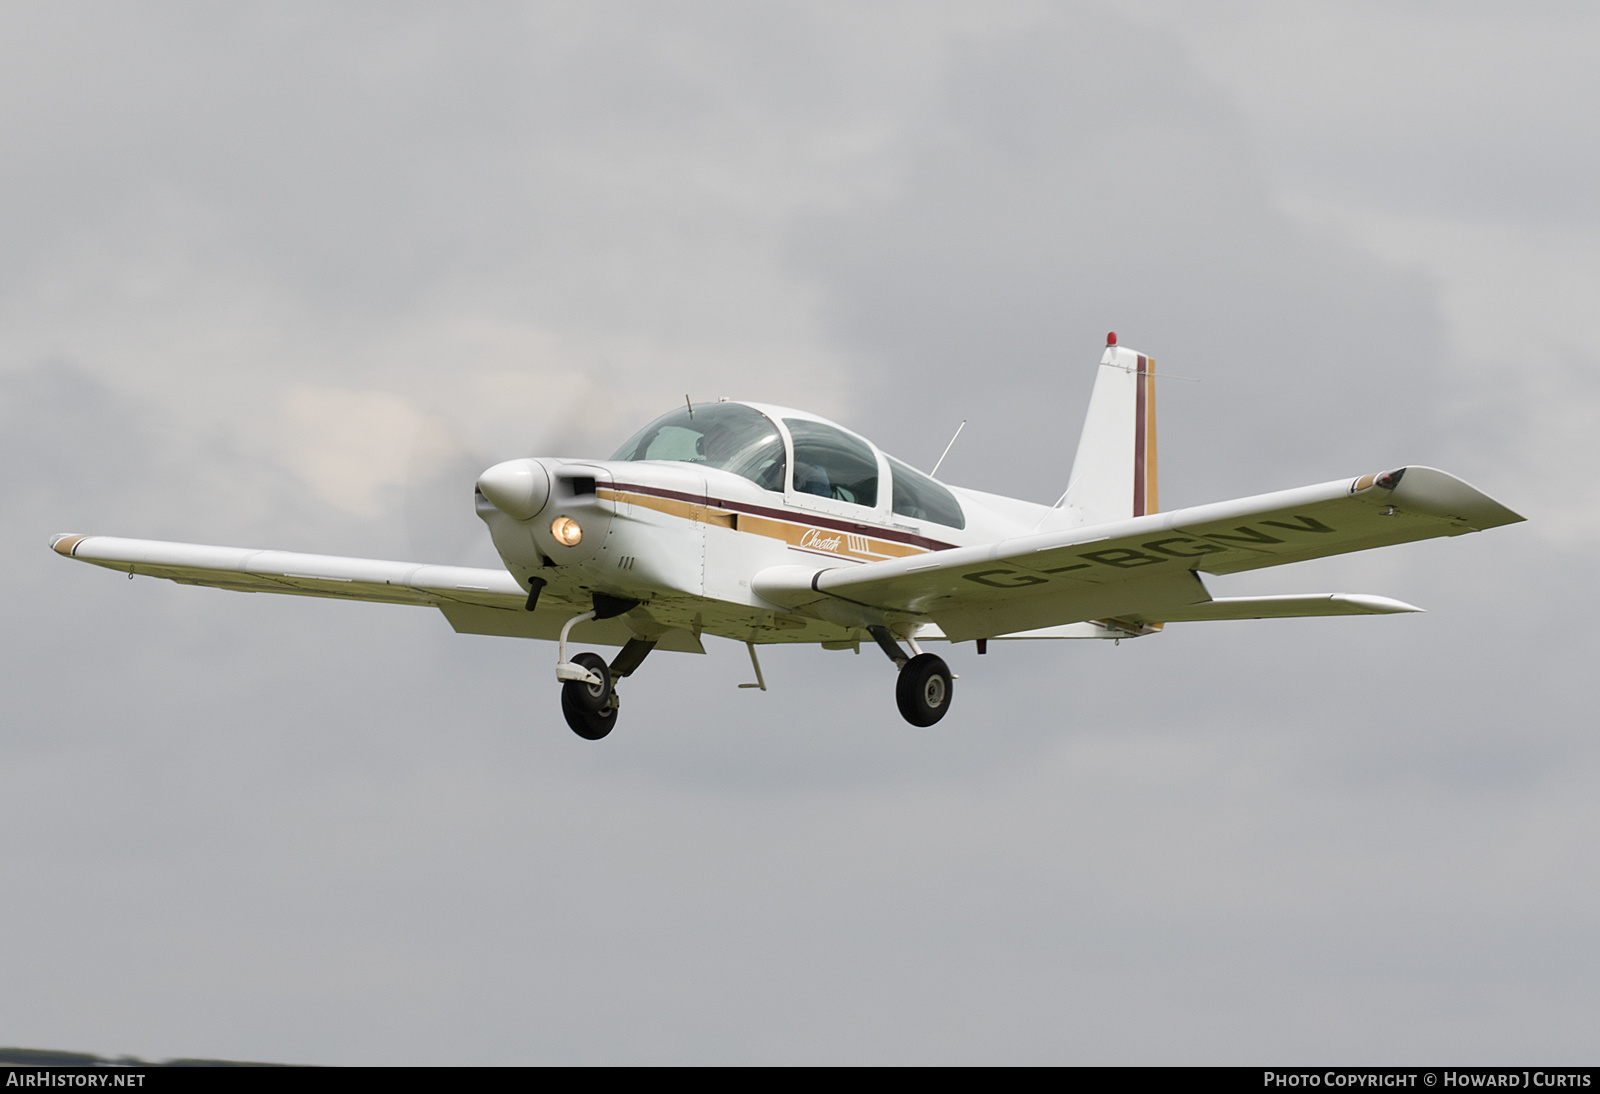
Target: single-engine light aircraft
x,y
763,524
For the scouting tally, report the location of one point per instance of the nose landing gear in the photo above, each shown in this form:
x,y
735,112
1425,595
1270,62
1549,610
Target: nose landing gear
x,y
588,685
590,709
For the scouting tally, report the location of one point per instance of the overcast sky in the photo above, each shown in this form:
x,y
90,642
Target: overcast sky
x,y
288,276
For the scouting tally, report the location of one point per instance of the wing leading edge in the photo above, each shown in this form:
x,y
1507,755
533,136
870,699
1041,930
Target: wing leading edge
x,y
1146,568
475,601
254,571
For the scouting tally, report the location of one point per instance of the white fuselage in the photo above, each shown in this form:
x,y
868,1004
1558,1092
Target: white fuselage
x,y
675,535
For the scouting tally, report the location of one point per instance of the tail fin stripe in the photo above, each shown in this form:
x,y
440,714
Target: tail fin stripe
x,y
1140,424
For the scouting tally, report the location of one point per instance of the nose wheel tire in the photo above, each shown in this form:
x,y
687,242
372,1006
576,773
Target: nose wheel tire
x,y
923,689
590,709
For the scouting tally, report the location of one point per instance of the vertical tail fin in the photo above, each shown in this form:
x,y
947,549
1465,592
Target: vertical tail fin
x,y
1114,473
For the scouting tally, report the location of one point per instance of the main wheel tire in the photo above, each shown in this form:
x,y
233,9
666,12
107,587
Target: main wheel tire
x,y
590,709
591,725
923,690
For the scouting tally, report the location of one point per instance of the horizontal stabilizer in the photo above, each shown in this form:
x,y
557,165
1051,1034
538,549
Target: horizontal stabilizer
x,y
1098,629
1290,606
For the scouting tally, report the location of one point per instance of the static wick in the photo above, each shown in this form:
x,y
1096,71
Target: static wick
x,y
934,473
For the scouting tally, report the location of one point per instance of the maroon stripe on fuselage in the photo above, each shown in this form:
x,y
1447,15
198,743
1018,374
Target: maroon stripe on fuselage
x,y
793,516
1139,438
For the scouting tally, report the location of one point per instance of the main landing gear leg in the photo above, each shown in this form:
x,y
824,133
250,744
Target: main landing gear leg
x,y
631,657
925,684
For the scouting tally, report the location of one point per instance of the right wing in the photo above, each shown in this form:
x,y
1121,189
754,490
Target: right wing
x,y
475,601
244,569
1145,569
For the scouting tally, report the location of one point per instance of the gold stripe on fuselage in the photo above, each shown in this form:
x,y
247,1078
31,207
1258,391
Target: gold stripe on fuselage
x,y
797,533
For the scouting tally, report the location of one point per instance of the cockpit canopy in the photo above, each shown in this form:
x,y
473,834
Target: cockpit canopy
x,y
828,462
727,436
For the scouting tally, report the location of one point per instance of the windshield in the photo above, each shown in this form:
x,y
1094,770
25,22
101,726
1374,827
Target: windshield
x,y
727,436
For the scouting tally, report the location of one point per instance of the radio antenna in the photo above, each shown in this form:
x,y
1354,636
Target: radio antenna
x,y
947,448
690,405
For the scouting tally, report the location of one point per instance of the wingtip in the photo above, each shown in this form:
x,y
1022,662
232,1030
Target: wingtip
x,y
1376,605
64,543
1441,494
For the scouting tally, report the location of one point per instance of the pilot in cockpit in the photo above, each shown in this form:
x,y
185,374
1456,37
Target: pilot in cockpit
x,y
756,454
811,479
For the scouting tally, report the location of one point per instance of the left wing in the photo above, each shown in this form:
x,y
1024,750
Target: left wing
x,y
1144,569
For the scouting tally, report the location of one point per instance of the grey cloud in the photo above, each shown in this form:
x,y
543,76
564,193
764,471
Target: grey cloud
x,y
367,162
1081,178
1472,111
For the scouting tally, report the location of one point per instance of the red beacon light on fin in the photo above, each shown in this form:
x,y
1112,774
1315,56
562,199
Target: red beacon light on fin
x,y
1111,338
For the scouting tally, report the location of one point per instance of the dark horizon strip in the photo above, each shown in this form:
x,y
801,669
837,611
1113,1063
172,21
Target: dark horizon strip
x,y
792,516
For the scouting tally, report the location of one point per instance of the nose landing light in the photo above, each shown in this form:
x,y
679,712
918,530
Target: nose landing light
x,y
567,531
